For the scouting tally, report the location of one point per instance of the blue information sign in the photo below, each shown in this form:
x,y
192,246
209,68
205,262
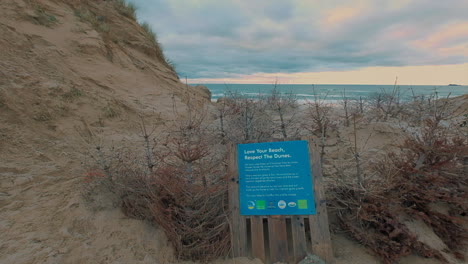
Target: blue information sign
x,y
275,179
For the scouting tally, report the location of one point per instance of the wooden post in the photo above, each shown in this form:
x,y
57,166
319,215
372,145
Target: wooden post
x,y
319,229
278,239
258,238
237,222
299,238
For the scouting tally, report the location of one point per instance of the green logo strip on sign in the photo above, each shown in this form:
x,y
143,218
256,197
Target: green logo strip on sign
x,y
275,179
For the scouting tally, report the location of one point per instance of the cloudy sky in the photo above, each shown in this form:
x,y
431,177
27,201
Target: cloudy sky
x,y
313,41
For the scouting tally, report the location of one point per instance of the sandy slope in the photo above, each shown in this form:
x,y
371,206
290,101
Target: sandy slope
x,y
58,93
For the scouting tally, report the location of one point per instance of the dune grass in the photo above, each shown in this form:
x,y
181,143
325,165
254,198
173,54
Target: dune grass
x,y
104,23
153,37
96,21
42,16
126,8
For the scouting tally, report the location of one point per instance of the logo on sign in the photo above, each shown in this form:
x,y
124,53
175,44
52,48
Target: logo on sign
x,y
282,204
251,205
292,204
271,205
302,204
261,205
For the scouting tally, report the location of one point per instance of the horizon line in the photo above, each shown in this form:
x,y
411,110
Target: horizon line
x,y
282,84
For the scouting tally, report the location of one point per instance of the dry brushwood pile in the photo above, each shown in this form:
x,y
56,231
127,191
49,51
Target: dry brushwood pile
x,y
178,184
429,170
193,216
191,211
191,199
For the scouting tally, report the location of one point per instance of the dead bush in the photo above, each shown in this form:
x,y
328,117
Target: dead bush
x,y
175,180
189,198
319,121
387,104
248,119
286,108
192,215
183,193
427,170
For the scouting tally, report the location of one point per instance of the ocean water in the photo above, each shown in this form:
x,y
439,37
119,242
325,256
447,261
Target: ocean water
x,y
335,92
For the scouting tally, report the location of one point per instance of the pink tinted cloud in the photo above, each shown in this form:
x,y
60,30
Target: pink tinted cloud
x,y
445,35
461,49
401,33
340,15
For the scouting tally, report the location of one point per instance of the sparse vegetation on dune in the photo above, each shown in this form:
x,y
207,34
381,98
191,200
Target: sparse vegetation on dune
x,y
149,32
151,35
174,181
125,8
98,15
404,187
105,17
375,200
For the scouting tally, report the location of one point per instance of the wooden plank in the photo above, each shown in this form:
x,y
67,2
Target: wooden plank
x,y
298,238
237,222
243,250
319,229
258,238
278,239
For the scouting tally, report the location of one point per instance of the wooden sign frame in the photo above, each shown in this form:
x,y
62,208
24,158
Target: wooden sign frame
x,y
279,238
